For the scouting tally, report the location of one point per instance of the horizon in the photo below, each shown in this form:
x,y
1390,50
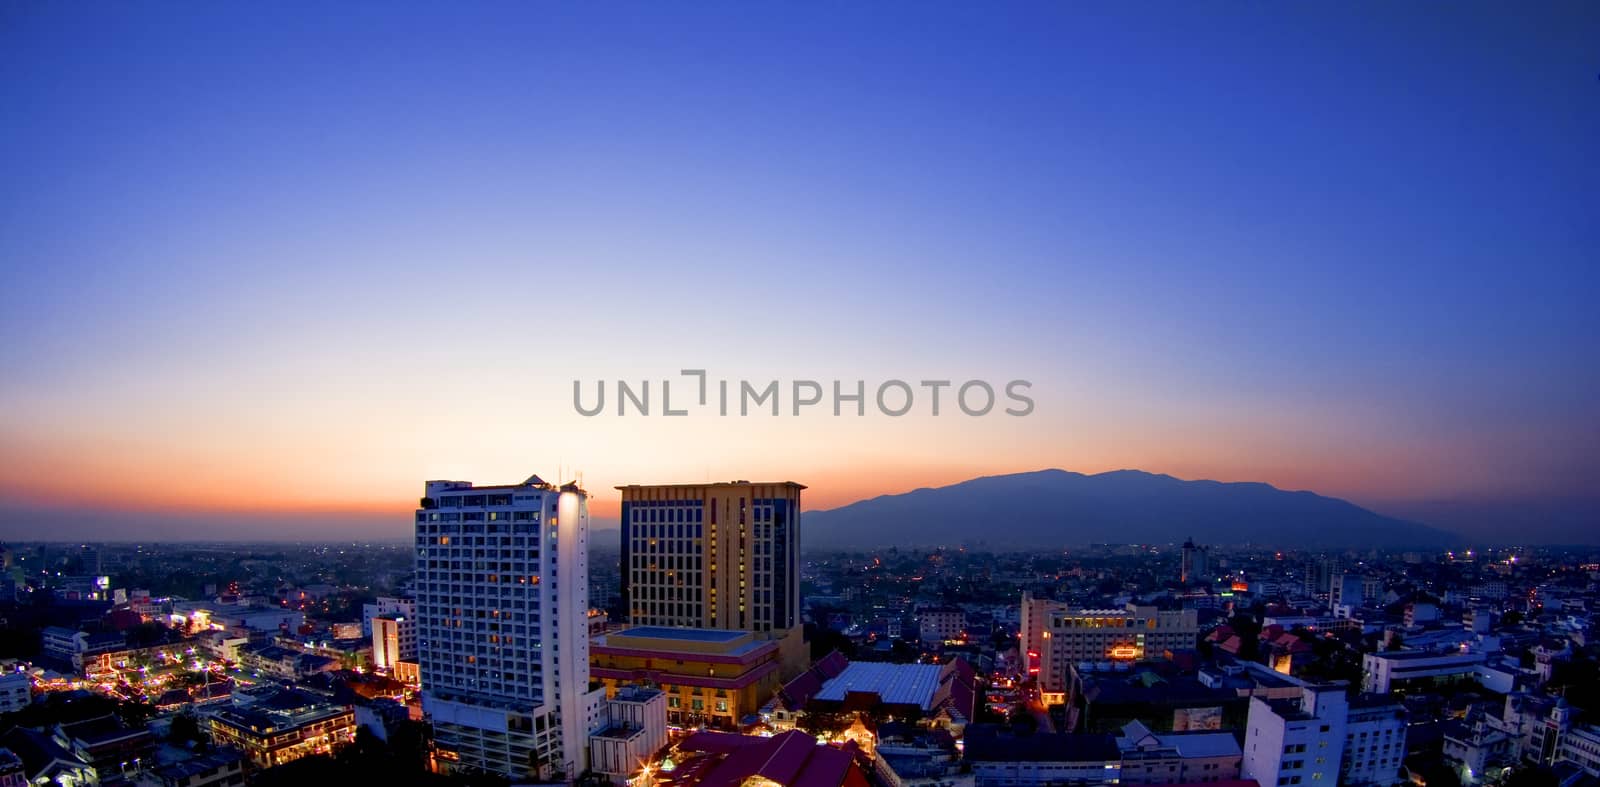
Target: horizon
x,y
402,522
274,269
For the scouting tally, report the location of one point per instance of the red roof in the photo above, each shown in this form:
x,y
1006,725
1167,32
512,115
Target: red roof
x,y
792,759
799,691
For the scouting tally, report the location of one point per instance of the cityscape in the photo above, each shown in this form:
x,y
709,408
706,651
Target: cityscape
x,y
1022,394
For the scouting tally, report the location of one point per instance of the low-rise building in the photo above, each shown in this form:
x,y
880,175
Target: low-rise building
x,y
999,759
635,729
16,691
1402,670
283,727
111,747
715,677
1177,757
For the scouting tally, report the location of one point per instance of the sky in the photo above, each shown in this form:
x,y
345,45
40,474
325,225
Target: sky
x,y
270,266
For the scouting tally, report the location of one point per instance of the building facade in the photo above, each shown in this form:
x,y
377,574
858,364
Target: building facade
x,y
1136,633
1194,565
723,556
283,729
1374,741
1402,670
1293,742
503,646
714,677
941,624
394,639
636,728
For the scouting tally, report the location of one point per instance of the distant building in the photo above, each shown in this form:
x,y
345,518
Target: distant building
x,y
1069,636
1346,590
1419,613
385,605
709,676
1194,564
941,624
394,639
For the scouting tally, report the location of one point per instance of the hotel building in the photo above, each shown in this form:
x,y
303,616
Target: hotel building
x,y
723,555
1067,636
503,645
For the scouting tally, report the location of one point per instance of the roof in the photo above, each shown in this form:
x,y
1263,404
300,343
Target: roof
x,y
1414,655
895,684
101,729
986,744
1189,745
681,634
200,763
799,691
792,759
711,484
40,754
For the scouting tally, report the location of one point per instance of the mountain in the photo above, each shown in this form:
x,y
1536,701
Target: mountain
x,y
1056,508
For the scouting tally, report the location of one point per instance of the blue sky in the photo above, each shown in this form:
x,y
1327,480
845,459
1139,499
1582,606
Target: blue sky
x,y
1342,247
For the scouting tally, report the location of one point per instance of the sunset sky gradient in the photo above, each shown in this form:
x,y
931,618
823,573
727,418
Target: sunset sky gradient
x,y
270,266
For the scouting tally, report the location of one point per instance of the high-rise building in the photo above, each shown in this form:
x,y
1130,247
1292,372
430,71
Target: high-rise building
x,y
394,639
723,556
1033,619
1296,741
1195,563
503,637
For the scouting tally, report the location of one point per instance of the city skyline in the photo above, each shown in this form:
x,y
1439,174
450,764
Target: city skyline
x,y
255,291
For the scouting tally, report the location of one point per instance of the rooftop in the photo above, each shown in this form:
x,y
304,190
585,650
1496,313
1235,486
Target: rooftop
x,y
985,744
682,634
704,485
895,684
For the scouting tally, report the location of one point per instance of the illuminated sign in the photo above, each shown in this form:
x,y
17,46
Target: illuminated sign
x,y
1123,652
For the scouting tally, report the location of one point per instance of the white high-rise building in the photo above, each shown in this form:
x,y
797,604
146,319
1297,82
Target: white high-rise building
x,y
1296,741
503,637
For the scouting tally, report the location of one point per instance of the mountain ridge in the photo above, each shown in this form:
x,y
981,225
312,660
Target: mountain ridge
x,y
1055,507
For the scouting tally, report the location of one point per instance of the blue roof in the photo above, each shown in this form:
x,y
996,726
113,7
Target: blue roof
x,y
694,635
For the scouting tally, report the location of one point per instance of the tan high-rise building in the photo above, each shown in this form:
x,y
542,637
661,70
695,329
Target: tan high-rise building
x,y
721,556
